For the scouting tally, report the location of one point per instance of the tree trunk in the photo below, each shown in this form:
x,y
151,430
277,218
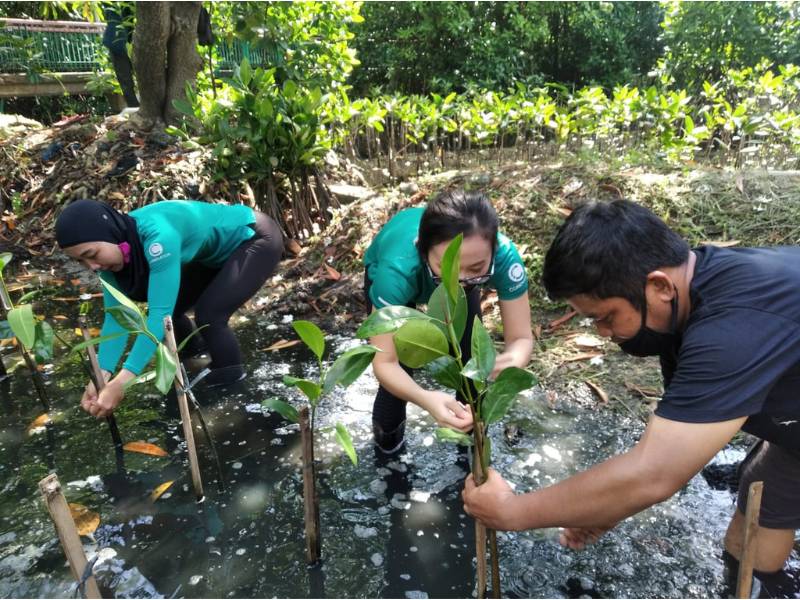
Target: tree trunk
x,y
165,57
183,61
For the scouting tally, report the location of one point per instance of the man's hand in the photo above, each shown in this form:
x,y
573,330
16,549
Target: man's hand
x,y
493,503
90,393
578,538
448,411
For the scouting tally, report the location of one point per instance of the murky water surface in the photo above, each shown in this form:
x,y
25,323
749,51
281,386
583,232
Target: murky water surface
x,y
389,529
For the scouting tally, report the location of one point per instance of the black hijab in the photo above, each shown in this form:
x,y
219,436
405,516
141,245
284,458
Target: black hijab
x,y
93,221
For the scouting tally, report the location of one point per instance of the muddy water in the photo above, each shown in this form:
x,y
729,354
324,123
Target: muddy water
x,y
389,528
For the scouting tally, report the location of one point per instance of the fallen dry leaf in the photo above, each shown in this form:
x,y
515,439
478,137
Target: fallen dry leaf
x,y
552,325
585,341
281,344
720,243
39,423
86,521
159,491
294,247
93,331
144,448
60,317
740,183
333,274
642,391
75,281
599,392
582,356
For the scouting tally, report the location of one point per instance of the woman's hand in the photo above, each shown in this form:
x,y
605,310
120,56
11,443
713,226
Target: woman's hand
x,y
103,404
90,392
447,411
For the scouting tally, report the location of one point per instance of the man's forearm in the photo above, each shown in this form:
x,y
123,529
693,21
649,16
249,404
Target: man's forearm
x,y
599,497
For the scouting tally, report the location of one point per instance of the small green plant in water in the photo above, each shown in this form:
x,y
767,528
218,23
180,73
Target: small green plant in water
x,y
344,371
34,335
132,319
432,340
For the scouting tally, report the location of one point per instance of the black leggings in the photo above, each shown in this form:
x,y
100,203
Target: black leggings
x,y
216,293
389,411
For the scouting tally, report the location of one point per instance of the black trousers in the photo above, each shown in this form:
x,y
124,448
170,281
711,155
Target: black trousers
x,y
215,294
389,411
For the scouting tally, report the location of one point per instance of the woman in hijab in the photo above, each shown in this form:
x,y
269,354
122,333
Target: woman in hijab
x,y
175,255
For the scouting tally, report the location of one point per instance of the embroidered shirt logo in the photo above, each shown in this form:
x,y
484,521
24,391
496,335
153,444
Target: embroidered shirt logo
x,y
155,250
516,273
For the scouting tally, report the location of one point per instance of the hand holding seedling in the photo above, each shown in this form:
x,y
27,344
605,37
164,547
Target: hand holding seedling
x,y
491,502
448,411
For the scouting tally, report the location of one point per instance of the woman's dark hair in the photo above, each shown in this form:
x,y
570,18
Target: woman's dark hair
x,y
607,250
453,212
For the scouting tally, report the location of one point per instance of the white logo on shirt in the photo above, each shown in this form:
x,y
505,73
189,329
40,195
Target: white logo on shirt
x,y
155,249
516,272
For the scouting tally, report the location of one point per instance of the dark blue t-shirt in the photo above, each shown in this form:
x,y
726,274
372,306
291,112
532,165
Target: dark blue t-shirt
x,y
739,354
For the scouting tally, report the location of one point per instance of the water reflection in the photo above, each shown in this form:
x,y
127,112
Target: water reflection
x,y
390,528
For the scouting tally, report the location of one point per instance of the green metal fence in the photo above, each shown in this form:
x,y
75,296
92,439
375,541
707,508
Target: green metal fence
x,y
60,46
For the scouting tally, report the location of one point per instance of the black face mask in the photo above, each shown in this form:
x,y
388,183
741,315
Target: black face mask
x,y
648,342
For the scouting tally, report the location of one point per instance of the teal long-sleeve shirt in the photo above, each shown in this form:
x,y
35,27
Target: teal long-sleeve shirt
x,y
173,233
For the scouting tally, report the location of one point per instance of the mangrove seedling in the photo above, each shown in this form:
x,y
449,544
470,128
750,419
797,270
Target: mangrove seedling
x,y
34,335
344,371
431,340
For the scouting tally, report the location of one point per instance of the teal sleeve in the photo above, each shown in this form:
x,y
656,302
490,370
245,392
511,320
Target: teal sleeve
x,y
162,293
389,288
510,278
110,352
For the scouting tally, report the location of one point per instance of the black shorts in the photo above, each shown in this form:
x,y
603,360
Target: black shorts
x,y
779,469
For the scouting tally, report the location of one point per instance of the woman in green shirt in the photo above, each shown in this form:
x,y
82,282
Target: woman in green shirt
x,y
403,268
176,255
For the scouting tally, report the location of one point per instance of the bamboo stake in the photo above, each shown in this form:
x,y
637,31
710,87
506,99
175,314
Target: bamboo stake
x,y
183,405
313,539
480,531
99,380
67,532
748,558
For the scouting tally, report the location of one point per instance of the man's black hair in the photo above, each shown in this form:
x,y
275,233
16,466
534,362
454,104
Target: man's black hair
x,y
453,212
607,249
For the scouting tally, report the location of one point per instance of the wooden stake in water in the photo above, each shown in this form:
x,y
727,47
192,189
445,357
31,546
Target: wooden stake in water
x,y
67,532
748,558
99,380
313,540
183,405
480,532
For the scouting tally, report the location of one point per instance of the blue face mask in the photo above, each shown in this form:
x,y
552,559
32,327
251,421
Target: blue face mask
x,y
648,342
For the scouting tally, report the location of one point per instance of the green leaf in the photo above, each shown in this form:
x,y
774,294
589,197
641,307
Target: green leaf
x,y
23,324
190,336
484,355
245,72
445,434
310,388
141,378
166,368
503,391
5,258
445,371
127,318
183,106
346,442
287,411
120,297
97,340
451,267
348,367
388,319
311,336
442,308
419,342
43,346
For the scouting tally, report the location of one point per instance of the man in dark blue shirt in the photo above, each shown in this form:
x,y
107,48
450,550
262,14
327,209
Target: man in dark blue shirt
x,y
726,326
